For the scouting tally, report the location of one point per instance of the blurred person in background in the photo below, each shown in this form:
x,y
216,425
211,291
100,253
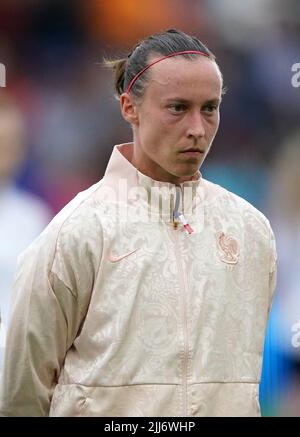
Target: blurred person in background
x,y
22,215
285,211
118,315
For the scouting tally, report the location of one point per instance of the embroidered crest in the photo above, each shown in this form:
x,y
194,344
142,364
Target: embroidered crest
x,y
228,248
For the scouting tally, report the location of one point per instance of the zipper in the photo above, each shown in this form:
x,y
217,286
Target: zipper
x,y
178,217
183,305
183,295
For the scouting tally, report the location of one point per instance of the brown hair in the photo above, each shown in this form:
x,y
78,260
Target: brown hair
x,y
164,43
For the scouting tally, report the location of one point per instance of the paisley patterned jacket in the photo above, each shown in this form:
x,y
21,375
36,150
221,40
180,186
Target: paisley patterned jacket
x,y
119,311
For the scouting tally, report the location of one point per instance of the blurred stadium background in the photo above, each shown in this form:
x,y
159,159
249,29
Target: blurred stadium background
x,y
60,119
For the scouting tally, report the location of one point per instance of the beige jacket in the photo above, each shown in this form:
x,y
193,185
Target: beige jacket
x,y
135,316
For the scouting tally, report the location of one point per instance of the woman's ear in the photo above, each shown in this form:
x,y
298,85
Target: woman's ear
x,y
129,108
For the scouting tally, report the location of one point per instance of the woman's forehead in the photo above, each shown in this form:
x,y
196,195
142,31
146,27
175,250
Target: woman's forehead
x,y
185,75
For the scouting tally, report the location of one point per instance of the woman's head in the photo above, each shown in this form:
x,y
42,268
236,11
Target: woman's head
x,y
172,106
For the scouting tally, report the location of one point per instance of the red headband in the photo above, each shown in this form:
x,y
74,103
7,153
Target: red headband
x,y
161,59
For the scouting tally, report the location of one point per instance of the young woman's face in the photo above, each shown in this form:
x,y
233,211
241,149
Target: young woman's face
x,y
177,118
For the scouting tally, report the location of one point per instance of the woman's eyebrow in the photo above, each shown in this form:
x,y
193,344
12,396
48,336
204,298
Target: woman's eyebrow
x,y
177,99
214,101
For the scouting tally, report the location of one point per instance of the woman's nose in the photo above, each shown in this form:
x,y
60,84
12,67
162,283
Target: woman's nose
x,y
196,127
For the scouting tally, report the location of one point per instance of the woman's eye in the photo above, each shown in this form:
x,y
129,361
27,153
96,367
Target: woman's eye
x,y
210,108
177,108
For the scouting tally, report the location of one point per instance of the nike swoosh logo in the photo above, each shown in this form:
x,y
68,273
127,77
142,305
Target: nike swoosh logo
x,y
116,258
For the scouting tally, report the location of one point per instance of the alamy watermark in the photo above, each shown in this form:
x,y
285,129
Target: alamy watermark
x,y
296,336
295,81
2,75
150,204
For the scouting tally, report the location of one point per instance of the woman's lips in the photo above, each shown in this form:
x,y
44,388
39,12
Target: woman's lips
x,y
192,153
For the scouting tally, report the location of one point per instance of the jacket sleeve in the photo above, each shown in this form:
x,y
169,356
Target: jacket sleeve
x,y
52,291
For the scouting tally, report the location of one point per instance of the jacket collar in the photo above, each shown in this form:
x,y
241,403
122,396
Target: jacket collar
x,y
133,187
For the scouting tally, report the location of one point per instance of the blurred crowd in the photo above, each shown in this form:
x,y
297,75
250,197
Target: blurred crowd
x,y
59,121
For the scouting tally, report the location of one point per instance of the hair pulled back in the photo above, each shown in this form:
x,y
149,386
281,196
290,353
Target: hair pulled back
x,y
164,43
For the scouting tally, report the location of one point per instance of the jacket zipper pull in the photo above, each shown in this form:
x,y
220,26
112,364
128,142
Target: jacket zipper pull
x,y
178,215
185,224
